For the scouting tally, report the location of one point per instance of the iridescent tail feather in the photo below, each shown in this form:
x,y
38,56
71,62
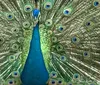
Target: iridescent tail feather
x,y
69,35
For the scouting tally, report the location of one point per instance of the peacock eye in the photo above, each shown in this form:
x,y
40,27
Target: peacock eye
x,y
54,39
48,6
61,28
11,58
20,40
96,3
67,12
26,24
59,48
52,82
60,81
28,8
74,39
48,22
76,76
63,58
14,47
10,82
10,16
86,54
53,74
15,30
15,74
88,23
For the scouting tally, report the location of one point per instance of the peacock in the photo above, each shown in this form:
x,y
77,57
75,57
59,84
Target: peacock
x,y
49,42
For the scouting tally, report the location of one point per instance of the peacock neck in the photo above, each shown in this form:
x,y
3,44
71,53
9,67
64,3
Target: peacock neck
x,y
34,72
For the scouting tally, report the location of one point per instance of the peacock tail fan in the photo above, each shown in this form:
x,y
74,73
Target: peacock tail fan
x,y
69,37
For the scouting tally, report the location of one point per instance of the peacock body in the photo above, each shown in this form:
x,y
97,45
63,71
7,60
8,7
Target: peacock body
x,y
54,42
